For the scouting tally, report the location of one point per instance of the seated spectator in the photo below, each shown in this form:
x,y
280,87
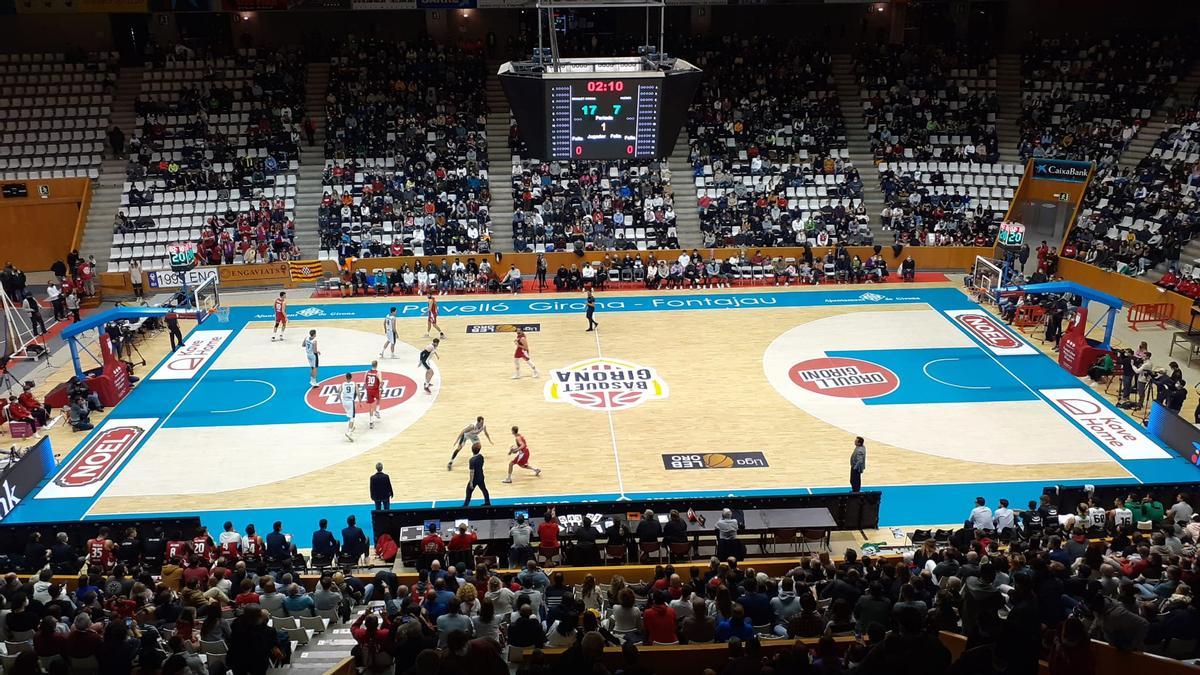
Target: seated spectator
x,y
299,603
736,626
699,627
659,621
526,631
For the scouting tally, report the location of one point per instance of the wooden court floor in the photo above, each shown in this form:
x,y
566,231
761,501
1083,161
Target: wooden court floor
x,y
719,401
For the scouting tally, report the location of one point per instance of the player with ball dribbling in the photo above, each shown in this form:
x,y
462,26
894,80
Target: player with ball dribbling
x,y
521,450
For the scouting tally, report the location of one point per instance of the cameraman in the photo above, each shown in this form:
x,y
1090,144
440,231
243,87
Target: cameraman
x,y
115,336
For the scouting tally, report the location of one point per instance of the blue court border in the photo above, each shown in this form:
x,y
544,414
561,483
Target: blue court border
x,y
901,504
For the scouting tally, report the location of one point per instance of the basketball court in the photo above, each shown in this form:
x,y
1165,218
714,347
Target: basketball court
x,y
732,391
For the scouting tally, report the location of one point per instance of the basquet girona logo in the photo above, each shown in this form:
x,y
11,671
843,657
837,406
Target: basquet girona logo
x,y
327,395
844,378
605,385
986,329
101,456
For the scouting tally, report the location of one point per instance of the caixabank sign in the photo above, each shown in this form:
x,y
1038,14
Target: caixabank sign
x,y
1064,170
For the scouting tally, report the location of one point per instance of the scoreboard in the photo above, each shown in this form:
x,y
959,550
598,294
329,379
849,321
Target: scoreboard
x,y
600,108
603,118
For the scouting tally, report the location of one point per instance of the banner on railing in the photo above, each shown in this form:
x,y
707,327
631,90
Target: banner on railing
x,y
304,270
24,475
1065,170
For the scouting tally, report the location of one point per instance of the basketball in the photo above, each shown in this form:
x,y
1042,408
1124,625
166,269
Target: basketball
x,y
476,446
718,461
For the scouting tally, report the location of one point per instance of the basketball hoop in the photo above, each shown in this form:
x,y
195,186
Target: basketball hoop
x,y
222,313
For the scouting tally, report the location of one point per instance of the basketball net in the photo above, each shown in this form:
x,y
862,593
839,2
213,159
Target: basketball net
x,y
18,333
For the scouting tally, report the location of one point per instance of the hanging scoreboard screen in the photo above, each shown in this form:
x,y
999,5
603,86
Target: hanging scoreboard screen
x,y
603,117
621,107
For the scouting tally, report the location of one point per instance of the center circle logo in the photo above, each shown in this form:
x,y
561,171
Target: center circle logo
x,y
605,385
394,390
843,377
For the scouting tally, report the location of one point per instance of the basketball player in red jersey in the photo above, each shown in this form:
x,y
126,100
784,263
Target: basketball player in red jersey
x,y
432,317
101,551
522,354
203,546
371,383
280,316
521,450
252,544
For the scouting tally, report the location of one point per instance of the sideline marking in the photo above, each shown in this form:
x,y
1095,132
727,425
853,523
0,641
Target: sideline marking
x,y
925,369
612,433
268,398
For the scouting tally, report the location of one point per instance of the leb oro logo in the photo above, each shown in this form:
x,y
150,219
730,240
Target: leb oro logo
x,y
605,385
326,397
100,457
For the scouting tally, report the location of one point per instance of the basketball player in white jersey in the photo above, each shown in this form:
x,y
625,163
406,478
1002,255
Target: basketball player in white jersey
x,y
349,396
469,434
430,350
431,318
314,357
389,333
522,354
1097,516
280,317
1121,516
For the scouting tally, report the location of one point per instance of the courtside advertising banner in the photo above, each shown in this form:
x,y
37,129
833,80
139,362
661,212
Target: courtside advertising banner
x,y
99,459
21,478
169,279
184,363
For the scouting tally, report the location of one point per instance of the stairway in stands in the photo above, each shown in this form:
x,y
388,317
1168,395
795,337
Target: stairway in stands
x,y
499,161
850,100
1143,142
312,163
106,190
323,651
683,186
1008,90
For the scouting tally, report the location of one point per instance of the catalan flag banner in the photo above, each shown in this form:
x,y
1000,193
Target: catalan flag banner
x,y
304,270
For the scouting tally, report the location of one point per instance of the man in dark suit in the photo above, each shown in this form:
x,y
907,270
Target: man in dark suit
x,y
324,545
381,489
354,540
649,530
277,544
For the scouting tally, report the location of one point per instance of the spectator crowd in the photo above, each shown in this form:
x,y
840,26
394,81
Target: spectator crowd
x,y
405,151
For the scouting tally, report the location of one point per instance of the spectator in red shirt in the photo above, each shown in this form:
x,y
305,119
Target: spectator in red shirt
x,y
196,571
461,543
432,546
84,639
548,532
659,621
1168,280
373,633
19,413
48,641
246,596
34,406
